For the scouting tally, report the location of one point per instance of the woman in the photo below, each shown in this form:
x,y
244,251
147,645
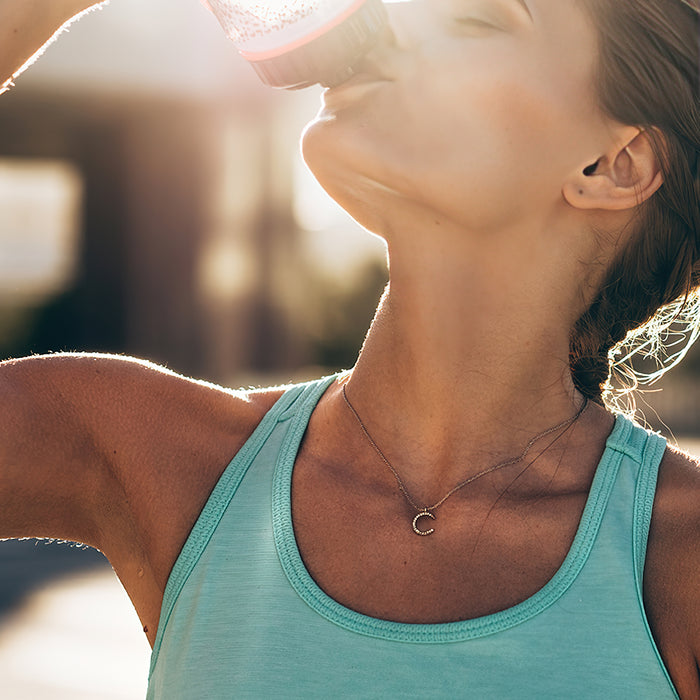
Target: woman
x,y
460,514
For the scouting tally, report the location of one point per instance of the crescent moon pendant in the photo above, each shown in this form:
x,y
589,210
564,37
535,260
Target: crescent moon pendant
x,y
423,514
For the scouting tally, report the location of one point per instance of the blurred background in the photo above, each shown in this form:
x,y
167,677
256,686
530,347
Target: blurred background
x,y
153,202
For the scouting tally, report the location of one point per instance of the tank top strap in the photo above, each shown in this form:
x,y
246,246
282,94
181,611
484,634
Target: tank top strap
x,y
650,448
622,545
645,450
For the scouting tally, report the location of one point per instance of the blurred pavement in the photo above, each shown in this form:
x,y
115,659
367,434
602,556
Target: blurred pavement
x,y
77,638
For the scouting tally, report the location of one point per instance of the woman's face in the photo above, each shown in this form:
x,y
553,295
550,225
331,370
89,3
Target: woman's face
x,y
478,112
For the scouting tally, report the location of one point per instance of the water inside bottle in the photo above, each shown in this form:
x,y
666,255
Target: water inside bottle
x,y
256,26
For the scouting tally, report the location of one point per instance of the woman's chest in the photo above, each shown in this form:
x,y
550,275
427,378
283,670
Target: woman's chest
x,y
486,554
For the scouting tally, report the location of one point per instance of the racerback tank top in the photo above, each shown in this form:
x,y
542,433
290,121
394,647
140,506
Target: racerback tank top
x,y
242,617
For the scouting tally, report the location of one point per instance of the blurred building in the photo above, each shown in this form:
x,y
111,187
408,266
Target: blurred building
x,y
150,192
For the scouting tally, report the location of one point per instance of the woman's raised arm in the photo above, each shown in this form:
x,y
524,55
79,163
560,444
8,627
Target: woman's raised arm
x,y
116,453
27,27
63,432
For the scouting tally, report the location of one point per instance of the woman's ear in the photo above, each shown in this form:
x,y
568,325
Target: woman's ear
x,y
621,179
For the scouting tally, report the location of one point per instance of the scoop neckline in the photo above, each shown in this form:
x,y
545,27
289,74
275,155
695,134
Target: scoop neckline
x,y
421,633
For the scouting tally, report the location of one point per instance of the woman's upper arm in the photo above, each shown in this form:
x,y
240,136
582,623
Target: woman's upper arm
x,y
114,452
80,436
51,470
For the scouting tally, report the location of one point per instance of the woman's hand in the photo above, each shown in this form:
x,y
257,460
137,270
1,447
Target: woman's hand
x,y
27,27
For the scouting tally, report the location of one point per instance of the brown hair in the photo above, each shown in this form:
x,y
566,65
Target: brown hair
x,y
648,76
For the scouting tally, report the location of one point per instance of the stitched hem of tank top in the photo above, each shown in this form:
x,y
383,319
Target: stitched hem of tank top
x,y
211,514
643,505
327,607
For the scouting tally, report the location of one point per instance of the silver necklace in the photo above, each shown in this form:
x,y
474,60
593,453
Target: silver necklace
x,y
427,511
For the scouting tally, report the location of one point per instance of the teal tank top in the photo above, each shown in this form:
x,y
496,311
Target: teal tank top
x,y
242,617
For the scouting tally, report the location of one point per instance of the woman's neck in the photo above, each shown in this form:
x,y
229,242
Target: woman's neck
x,y
466,360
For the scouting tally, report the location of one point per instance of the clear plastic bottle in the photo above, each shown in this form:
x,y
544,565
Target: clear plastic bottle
x,y
296,43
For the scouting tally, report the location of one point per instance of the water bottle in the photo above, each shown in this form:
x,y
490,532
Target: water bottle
x,y
296,43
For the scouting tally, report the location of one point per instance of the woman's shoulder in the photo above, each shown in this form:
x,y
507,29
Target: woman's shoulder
x,y
677,500
672,570
121,384
162,420
675,525
148,441
144,445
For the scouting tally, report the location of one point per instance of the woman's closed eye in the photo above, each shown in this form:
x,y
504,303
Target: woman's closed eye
x,y
480,16
473,26
475,23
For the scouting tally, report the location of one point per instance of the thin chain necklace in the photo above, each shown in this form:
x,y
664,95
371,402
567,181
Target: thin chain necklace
x,y
427,511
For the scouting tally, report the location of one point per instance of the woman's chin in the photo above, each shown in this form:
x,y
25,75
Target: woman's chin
x,y
318,140
360,175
